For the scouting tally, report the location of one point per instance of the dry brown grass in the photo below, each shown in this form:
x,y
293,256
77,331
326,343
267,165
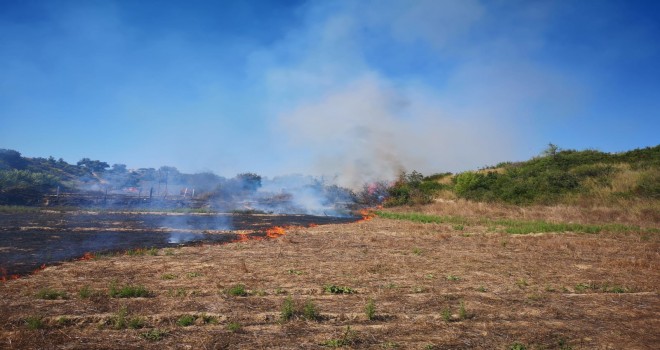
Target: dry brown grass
x,y
528,289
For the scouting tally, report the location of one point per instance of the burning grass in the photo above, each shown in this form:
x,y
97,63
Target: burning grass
x,y
420,285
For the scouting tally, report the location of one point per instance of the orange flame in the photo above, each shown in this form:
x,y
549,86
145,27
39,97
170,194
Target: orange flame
x,y
367,214
86,256
275,231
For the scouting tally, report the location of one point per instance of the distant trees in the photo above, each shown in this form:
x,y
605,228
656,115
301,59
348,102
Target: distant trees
x,y
96,166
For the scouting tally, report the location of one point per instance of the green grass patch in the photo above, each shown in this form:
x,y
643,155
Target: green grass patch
x,y
334,289
185,320
155,334
513,226
129,291
234,327
370,310
34,322
237,291
51,294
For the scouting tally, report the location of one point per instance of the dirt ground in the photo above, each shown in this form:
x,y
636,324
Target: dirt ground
x,y
433,286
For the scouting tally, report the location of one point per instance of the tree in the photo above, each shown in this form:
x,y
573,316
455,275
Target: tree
x,y
551,150
93,165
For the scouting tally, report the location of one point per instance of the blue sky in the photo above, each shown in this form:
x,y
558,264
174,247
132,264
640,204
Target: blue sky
x,y
358,89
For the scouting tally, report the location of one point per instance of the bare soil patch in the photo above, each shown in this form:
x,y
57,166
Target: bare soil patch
x,y
434,286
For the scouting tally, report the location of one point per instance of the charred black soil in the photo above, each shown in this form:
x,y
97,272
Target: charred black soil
x,y
31,240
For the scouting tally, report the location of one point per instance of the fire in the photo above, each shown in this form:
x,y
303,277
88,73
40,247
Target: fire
x,y
4,277
275,231
367,214
86,256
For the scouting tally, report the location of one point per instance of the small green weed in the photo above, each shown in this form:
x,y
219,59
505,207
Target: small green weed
x,y
185,320
517,346
309,311
168,276
370,310
85,292
169,251
482,289
338,290
155,334
194,274
446,315
418,289
288,309
234,327
207,319
136,323
453,278
295,272
458,227
417,251
522,283
119,319
152,251
34,322
64,321
237,291
51,294
348,338
462,312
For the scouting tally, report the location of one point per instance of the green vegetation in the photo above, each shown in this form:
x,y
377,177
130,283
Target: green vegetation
x,y
557,174
85,292
517,346
237,291
370,310
234,326
348,338
35,322
413,188
121,321
155,334
129,291
51,294
168,276
185,320
309,311
290,310
517,226
333,289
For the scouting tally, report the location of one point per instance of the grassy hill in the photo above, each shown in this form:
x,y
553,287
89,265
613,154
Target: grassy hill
x,y
557,176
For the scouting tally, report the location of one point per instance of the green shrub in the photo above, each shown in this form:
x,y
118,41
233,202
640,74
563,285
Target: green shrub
x,y
50,294
288,309
155,334
234,326
237,291
370,310
34,322
129,291
185,320
309,311
333,289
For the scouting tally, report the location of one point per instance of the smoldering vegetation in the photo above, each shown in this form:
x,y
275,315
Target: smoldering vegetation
x,y
96,184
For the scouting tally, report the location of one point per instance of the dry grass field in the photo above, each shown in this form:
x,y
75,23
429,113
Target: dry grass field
x,y
379,284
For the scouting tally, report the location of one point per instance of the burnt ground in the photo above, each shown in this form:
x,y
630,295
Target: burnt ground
x,y
433,286
29,240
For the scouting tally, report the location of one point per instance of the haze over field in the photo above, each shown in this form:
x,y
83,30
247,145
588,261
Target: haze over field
x,y
356,88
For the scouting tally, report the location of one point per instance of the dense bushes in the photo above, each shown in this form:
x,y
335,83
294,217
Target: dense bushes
x,y
412,188
548,178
